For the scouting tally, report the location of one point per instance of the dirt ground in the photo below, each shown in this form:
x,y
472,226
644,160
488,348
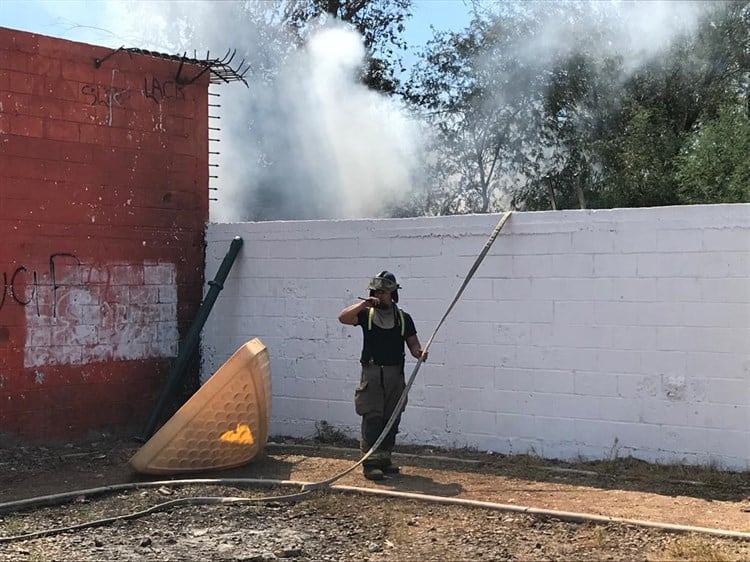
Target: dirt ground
x,y
330,525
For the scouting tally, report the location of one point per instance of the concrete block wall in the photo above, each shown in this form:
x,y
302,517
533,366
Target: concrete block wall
x,y
584,334
103,205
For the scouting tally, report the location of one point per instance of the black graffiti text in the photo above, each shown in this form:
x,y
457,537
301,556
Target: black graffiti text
x,y
159,91
108,96
15,285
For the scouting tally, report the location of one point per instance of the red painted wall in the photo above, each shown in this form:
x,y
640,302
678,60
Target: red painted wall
x,y
103,205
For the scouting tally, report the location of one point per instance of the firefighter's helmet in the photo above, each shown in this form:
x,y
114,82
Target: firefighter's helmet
x,y
385,281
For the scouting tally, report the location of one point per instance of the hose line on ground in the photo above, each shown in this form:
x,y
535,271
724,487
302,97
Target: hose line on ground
x,y
574,517
306,487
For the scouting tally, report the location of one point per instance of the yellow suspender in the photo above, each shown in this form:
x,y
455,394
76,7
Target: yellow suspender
x,y
372,313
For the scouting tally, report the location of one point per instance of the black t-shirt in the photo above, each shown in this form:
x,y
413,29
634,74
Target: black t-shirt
x,y
384,347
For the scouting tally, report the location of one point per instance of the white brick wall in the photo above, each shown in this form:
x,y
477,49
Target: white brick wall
x,y
583,333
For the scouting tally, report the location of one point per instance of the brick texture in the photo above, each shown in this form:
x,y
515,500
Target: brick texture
x,y
104,200
584,333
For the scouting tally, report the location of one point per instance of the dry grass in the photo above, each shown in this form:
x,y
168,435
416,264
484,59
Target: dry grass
x,y
400,524
695,548
11,525
593,536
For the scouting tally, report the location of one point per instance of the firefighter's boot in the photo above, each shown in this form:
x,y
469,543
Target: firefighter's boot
x,y
373,472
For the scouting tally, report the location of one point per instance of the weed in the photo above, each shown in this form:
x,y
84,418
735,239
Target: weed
x,y
12,525
695,548
326,433
37,555
614,450
594,536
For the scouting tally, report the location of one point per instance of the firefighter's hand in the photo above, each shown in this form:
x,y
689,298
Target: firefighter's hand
x,y
371,301
423,355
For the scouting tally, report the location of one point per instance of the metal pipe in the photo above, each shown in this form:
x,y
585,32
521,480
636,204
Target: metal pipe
x,y
177,372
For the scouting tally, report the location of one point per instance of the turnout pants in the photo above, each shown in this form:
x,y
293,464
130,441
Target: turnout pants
x,y
375,400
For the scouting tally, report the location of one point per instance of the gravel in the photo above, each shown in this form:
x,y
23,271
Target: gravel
x,y
331,525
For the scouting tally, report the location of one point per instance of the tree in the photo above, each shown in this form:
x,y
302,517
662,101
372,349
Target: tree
x,y
580,107
714,166
667,104
555,119
473,93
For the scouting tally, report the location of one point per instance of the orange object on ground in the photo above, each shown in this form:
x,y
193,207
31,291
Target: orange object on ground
x,y
223,425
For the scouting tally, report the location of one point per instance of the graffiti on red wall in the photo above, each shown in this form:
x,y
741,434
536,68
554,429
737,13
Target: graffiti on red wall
x,y
158,91
108,96
10,290
118,96
29,280
78,313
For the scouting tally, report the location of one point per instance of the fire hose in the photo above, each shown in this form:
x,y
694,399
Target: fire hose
x,y
402,400
193,501
306,488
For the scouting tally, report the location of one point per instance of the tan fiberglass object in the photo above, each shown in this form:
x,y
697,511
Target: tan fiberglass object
x,y
224,424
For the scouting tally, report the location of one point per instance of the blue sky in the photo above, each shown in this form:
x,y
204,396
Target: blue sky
x,y
88,20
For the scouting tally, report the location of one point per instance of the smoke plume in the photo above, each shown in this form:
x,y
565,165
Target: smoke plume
x,y
306,140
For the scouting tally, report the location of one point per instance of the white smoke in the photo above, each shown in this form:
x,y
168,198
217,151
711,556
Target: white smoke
x,y
648,29
637,31
356,147
307,139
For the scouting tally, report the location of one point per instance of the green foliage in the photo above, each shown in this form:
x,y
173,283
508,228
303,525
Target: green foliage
x,y
536,105
714,165
583,126
644,161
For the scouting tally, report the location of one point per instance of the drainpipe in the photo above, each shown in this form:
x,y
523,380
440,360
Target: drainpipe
x,y
177,372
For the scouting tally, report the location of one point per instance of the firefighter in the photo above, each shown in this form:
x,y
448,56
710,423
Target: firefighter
x,y
385,328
